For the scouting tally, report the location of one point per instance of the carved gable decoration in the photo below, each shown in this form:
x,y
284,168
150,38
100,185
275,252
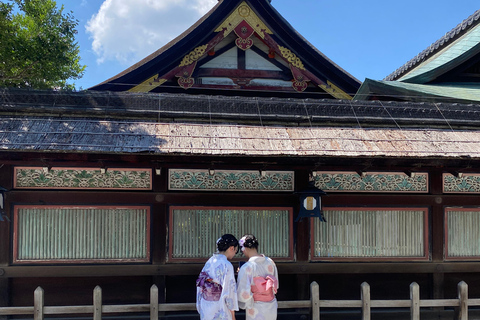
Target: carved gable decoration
x,y
260,37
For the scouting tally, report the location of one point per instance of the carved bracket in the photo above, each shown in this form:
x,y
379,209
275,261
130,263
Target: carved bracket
x,y
185,79
300,81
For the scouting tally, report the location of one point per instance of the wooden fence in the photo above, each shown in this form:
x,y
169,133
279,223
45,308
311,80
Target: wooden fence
x,y
39,310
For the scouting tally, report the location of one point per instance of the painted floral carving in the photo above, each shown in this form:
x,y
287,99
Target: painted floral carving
x,y
181,179
82,178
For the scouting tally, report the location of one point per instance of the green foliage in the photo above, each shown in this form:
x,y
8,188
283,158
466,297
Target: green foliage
x,y
37,45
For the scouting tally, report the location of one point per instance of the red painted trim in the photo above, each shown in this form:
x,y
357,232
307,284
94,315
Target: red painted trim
x,y
80,168
374,259
179,260
445,214
77,261
238,73
211,44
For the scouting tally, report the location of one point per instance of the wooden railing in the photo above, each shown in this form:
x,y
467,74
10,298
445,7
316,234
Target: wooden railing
x,y
39,310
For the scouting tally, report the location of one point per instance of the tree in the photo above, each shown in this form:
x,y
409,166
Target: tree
x,y
37,45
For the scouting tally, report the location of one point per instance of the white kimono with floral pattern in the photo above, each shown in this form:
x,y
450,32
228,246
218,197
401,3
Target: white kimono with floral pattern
x,y
221,271
258,266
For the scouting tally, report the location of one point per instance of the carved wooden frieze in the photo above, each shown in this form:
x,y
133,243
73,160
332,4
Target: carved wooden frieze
x,y
462,183
82,178
397,182
230,180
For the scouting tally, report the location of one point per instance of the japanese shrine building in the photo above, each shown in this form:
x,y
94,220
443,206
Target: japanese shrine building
x,y
130,183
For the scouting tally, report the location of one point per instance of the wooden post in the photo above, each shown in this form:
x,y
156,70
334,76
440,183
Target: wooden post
x,y
365,293
4,292
38,303
154,303
463,299
315,300
415,301
97,303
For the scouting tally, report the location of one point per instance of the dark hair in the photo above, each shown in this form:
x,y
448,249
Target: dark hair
x,y
226,241
250,241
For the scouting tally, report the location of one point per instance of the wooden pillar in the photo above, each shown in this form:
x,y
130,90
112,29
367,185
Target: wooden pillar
x,y
302,238
4,294
438,277
5,178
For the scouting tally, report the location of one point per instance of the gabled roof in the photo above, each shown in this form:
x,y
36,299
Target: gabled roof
x,y
448,71
240,47
456,46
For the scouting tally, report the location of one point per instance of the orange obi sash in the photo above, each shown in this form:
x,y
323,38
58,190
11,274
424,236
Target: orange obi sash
x,y
264,289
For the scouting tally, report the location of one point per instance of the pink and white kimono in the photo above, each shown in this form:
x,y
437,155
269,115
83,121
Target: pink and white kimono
x,y
216,289
257,285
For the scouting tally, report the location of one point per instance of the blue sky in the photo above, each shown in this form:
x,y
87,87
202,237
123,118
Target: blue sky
x,y
368,39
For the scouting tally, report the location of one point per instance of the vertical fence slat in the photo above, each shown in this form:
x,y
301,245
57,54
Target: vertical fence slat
x,y
365,301
38,303
415,300
315,300
97,303
463,297
154,302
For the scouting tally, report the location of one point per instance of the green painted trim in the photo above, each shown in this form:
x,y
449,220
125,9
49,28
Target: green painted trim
x,y
82,178
230,180
398,182
468,183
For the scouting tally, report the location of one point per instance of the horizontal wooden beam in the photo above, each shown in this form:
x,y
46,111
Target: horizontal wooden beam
x,y
194,269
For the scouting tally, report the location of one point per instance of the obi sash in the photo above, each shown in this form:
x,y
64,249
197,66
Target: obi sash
x,y
211,291
264,289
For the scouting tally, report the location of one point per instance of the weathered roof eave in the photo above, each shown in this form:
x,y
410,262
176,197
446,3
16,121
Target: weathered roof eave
x,y
97,136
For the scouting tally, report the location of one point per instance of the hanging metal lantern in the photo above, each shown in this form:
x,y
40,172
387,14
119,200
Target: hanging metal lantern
x,y
311,203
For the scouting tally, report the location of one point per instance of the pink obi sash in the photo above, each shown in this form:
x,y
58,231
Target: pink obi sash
x,y
264,289
211,291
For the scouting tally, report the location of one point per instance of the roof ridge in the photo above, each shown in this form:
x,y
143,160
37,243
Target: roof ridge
x,y
438,45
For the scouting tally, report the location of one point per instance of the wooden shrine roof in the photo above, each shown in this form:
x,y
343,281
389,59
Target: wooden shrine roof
x,y
454,35
166,124
176,66
447,71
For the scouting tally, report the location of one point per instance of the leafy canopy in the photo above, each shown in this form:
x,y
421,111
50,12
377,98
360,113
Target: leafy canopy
x,y
37,45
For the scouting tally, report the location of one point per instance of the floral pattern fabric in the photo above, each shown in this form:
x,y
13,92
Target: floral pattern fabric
x,y
259,266
220,270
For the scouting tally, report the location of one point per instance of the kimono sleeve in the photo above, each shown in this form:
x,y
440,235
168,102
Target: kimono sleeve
x,y
229,289
244,287
275,273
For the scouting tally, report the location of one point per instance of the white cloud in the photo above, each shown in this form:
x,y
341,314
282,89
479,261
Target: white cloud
x,y
129,30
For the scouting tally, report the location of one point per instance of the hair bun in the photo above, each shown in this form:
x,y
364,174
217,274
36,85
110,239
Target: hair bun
x,y
226,241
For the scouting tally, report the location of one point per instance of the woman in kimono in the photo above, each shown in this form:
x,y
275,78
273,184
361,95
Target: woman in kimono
x,y
216,287
257,282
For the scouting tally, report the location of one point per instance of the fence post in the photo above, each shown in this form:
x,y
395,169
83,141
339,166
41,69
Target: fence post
x,y
154,302
315,300
415,301
365,301
463,297
38,303
97,303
